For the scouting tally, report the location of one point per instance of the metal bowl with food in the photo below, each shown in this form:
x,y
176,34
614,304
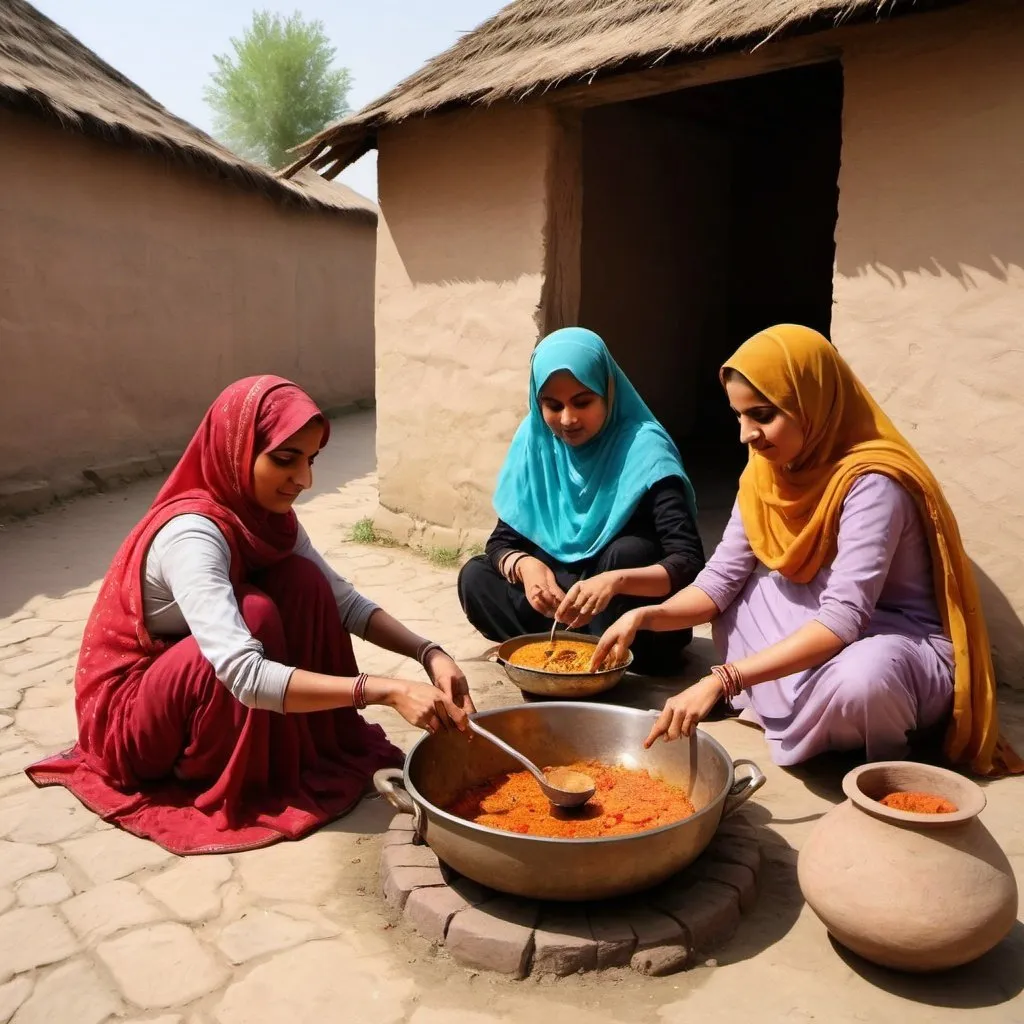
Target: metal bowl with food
x,y
443,766
567,685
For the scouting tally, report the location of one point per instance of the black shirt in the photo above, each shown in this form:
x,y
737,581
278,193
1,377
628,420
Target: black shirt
x,y
663,516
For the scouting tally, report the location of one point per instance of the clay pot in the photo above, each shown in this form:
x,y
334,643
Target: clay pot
x,y
917,892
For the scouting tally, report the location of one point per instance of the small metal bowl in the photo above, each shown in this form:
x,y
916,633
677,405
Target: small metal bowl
x,y
558,684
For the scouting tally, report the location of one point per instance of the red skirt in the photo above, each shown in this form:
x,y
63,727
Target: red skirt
x,y
194,770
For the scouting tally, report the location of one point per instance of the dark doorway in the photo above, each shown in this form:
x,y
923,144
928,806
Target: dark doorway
x,y
709,214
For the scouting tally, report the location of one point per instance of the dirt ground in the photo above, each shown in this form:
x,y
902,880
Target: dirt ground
x,y
97,926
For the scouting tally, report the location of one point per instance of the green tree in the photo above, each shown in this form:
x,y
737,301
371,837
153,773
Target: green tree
x,y
277,88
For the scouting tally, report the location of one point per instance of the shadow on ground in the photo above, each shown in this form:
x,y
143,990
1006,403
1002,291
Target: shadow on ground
x,y
70,546
995,978
371,816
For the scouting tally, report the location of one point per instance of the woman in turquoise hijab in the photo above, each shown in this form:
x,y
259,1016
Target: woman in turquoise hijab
x,y
596,513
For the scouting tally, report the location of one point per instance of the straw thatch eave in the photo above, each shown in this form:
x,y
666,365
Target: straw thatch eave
x,y
532,48
46,73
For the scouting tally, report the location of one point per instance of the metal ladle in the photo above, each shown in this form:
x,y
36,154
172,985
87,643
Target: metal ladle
x,y
573,788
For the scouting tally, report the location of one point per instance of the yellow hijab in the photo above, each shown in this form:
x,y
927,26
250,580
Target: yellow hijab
x,y
791,514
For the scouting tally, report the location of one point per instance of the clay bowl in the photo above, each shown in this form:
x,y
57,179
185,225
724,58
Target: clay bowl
x,y
915,892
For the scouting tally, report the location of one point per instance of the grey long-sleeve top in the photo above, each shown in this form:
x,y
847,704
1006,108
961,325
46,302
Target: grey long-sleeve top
x,y
187,589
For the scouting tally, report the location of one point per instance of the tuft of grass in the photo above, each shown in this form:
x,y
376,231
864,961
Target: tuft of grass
x,y
364,532
474,550
444,558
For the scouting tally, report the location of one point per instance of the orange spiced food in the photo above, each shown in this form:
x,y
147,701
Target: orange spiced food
x,y
566,657
627,800
918,803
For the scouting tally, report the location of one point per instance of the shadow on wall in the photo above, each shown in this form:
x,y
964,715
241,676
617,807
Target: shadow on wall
x,y
908,253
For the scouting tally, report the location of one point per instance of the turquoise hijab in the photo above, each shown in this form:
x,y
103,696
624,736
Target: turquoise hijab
x,y
571,502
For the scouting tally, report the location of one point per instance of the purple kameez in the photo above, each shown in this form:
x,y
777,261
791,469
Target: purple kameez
x,y
896,672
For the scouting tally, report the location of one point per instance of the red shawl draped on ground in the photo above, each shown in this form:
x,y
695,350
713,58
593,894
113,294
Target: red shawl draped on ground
x,y
282,775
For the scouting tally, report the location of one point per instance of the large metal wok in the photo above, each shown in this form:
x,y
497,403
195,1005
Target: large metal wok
x,y
442,766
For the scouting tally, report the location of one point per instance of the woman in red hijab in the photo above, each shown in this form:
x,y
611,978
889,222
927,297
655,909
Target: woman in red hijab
x,y
216,690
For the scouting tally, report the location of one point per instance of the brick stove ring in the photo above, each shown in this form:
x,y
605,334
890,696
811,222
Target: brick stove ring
x,y
663,930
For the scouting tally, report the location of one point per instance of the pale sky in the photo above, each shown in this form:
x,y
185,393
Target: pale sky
x,y
167,48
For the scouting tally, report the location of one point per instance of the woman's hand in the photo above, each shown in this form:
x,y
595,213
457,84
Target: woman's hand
x,y
616,640
450,680
541,587
587,598
684,711
425,706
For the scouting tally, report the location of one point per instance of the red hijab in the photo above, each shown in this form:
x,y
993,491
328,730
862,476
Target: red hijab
x,y
213,478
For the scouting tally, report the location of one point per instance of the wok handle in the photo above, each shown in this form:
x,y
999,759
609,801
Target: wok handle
x,y
389,782
743,788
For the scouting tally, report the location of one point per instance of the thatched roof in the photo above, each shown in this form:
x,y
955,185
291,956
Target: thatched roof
x,y
532,46
332,193
47,72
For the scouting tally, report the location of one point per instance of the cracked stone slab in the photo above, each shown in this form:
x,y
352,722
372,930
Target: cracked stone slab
x,y
32,937
24,629
186,971
17,860
304,872
44,816
110,908
53,726
316,983
427,1015
191,889
43,890
259,932
73,992
12,995
14,759
112,854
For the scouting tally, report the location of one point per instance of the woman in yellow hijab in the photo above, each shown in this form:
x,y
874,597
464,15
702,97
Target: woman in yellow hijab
x,y
843,602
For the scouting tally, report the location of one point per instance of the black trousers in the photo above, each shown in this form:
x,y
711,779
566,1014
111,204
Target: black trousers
x,y
500,610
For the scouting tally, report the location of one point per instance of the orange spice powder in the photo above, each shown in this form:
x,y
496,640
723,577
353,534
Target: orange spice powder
x,y
918,803
627,800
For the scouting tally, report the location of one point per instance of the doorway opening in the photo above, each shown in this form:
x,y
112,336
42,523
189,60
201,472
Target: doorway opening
x,y
709,214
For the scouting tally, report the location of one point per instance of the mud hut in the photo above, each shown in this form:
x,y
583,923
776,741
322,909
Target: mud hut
x,y
144,266
678,175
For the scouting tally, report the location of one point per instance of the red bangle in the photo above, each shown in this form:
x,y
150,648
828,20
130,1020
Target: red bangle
x,y
359,692
731,679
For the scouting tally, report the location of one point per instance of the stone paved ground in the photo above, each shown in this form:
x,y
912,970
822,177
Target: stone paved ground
x,y
98,926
